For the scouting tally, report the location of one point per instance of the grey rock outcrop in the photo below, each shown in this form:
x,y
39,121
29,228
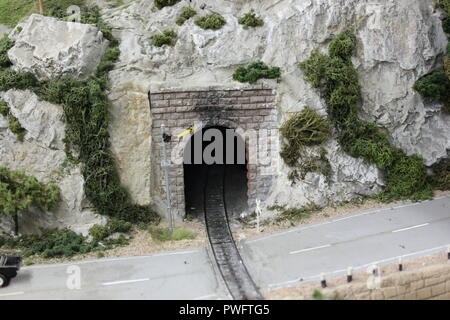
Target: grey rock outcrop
x,y
51,48
42,155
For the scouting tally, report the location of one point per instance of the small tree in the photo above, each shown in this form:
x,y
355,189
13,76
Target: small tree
x,y
19,192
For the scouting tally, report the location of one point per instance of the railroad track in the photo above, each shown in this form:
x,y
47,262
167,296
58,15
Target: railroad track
x,y
229,262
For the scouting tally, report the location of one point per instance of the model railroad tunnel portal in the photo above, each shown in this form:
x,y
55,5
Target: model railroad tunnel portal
x,y
231,128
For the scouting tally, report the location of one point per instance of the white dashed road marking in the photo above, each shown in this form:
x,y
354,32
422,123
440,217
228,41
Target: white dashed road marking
x,y
414,227
123,282
310,249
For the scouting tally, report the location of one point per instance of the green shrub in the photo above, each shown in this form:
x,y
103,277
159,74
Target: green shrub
x,y
19,192
168,37
250,20
317,295
165,3
255,71
337,81
98,232
343,45
305,129
185,15
440,177
163,234
446,24
212,21
116,225
445,5
51,244
5,45
4,109
435,85
16,127
16,80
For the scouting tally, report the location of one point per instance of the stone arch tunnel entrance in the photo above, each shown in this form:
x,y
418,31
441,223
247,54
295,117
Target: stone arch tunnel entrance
x,y
215,146
251,112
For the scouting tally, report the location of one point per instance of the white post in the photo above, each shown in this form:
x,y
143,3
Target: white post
x,y
165,163
258,214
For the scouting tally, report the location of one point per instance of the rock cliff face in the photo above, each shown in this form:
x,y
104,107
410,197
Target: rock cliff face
x,y
42,155
398,42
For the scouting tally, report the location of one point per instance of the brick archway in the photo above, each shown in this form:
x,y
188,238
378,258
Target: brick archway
x,y
246,110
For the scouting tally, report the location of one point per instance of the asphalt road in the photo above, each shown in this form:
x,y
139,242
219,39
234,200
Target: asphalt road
x,y
358,240
184,274
281,259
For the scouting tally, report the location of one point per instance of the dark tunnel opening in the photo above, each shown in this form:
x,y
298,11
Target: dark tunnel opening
x,y
215,146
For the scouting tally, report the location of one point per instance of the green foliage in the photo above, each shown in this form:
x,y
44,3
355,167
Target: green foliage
x,y
446,24
116,225
343,45
12,11
255,71
165,3
5,45
435,85
445,5
337,80
18,80
58,9
293,215
19,192
212,21
317,295
250,20
440,177
4,109
305,129
168,37
100,233
16,127
163,234
185,15
56,244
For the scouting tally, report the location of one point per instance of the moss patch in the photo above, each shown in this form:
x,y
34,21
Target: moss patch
x,y
165,3
168,37
255,71
212,21
186,14
163,234
251,20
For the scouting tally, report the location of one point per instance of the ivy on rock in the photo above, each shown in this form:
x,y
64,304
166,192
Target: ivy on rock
x,y
337,80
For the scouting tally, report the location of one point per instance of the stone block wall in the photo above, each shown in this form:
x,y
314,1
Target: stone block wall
x,y
431,282
248,111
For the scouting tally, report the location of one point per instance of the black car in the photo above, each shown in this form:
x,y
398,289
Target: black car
x,y
9,266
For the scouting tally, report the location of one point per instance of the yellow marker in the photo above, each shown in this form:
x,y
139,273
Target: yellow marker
x,y
186,132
